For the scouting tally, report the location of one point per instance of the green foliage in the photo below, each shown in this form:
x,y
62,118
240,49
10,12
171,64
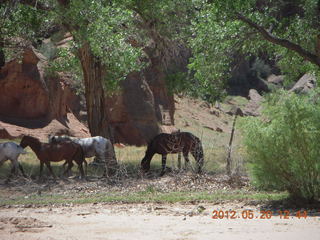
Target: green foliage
x,y
219,35
283,145
170,18
105,27
178,83
19,20
64,60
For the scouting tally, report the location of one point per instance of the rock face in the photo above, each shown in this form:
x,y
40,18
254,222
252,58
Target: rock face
x,y
23,91
304,84
253,107
276,79
26,93
31,100
145,108
4,133
139,112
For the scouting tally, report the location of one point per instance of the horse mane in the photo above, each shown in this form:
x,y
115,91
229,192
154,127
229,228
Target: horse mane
x,y
32,139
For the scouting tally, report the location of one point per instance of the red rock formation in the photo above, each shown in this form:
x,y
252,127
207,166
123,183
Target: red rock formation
x,y
23,92
145,108
32,100
26,93
131,113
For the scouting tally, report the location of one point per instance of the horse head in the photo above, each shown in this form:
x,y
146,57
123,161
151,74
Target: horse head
x,y
29,141
24,141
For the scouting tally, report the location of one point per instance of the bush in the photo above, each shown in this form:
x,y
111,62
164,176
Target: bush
x,y
283,145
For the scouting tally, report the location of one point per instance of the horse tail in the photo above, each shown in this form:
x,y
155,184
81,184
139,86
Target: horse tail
x,y
109,153
79,156
111,163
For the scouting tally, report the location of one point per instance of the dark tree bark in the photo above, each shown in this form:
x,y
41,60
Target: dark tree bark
x,y
2,56
94,93
93,74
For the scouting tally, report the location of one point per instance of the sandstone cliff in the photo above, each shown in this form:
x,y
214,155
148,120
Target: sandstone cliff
x,y
31,100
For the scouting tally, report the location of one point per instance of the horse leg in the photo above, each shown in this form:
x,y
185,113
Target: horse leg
x,y
164,161
68,170
41,169
145,163
64,167
50,170
21,169
200,159
198,156
186,160
82,175
85,167
15,166
179,160
64,164
13,170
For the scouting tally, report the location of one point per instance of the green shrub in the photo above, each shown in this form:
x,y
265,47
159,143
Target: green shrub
x,y
283,145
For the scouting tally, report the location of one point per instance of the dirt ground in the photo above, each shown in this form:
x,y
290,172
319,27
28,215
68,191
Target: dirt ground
x,y
149,221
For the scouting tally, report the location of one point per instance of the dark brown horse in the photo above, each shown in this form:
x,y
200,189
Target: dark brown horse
x,y
49,152
164,144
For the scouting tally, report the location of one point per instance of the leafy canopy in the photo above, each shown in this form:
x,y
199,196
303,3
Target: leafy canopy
x,y
104,26
219,34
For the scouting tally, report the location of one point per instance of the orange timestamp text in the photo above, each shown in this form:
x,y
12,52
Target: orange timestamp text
x,y
250,214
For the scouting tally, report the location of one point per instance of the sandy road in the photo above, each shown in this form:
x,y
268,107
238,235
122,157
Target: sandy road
x,y
137,221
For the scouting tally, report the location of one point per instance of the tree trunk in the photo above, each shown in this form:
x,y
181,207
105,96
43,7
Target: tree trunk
x,y
93,74
2,56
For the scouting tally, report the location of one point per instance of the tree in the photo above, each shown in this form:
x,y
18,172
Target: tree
x,y
166,24
287,31
101,46
96,28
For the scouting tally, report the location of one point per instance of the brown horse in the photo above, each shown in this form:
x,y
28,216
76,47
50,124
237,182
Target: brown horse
x,y
48,152
164,144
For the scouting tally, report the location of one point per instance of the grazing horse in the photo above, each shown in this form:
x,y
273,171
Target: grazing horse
x,y
11,151
49,152
98,146
164,144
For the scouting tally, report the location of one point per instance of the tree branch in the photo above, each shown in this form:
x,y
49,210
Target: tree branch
x,y
313,58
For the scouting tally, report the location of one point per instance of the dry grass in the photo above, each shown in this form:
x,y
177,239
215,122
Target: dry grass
x,y
196,119
128,181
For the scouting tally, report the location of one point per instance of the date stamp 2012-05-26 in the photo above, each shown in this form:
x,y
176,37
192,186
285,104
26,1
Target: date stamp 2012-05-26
x,y
263,214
